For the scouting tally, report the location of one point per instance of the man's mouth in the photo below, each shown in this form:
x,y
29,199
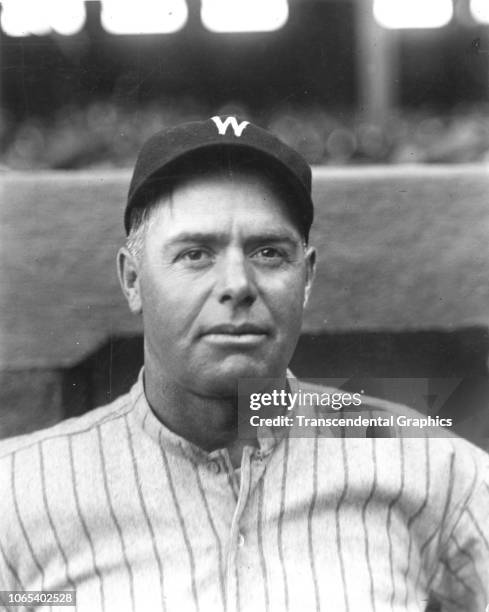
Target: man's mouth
x,y
245,333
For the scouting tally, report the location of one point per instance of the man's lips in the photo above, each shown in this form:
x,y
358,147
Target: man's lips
x,y
244,334
235,330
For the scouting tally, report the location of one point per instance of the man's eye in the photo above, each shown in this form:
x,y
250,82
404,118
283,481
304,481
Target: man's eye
x,y
199,256
194,255
270,255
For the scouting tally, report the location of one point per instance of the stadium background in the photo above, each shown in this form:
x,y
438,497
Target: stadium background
x,y
335,83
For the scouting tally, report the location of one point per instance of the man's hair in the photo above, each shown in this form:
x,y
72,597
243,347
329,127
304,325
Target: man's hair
x,y
140,218
200,164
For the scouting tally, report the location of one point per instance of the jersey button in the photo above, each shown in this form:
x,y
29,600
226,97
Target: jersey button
x,y
214,467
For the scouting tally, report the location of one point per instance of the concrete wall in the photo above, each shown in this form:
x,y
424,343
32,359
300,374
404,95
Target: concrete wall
x,y
402,250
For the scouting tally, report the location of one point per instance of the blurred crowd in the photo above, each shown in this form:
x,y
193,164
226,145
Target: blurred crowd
x,y
103,134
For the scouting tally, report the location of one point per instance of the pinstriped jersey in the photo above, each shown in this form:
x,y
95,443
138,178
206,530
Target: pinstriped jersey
x,y
135,518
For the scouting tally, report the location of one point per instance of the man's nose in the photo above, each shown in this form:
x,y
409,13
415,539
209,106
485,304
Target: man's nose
x,y
235,283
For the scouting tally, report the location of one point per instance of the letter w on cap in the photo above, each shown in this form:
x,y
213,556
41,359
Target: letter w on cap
x,y
222,126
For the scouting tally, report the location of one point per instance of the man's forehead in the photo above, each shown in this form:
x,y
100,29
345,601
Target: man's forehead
x,y
214,197
179,220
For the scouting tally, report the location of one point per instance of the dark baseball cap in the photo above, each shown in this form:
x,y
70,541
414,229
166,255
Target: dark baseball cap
x,y
160,154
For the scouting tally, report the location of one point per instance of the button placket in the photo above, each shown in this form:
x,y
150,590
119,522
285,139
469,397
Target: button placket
x,y
235,532
236,537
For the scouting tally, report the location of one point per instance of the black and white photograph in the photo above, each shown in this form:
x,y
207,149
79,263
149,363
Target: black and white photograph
x,y
244,305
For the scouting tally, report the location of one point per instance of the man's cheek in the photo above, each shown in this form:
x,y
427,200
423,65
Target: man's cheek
x,y
290,301
166,299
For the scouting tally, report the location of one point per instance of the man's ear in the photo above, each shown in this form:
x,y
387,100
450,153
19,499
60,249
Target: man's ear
x,y
128,272
310,271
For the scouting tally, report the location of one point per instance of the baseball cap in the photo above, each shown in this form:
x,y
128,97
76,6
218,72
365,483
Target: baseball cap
x,y
161,152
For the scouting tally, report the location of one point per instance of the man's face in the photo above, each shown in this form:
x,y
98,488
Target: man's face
x,y
222,280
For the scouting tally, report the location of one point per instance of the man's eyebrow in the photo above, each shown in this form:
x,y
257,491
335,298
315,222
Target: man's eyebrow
x,y
207,237
275,238
196,237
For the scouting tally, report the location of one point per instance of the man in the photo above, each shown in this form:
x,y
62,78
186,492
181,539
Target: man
x,y
171,498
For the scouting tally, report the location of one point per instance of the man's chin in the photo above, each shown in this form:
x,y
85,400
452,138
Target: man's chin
x,y
223,380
